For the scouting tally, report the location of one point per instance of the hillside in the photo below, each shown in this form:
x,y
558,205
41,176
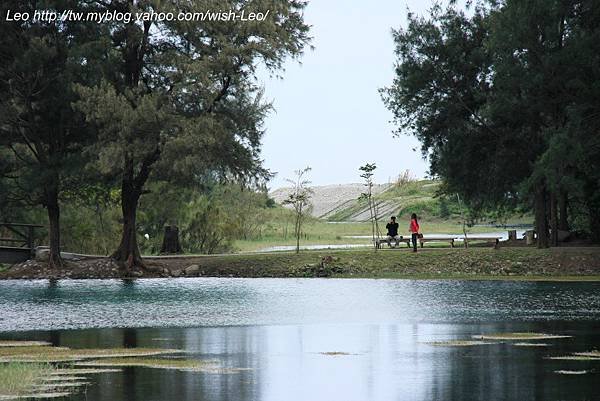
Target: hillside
x,y
329,198
340,202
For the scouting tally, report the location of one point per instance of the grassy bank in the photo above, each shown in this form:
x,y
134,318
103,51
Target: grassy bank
x,y
457,263
17,379
473,263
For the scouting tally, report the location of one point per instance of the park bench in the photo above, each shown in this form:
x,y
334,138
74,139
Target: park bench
x,y
437,239
495,241
379,242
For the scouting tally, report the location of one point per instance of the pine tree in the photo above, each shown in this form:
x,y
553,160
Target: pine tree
x,y
41,134
179,100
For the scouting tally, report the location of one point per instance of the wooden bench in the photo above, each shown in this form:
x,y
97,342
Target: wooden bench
x,y
437,239
379,242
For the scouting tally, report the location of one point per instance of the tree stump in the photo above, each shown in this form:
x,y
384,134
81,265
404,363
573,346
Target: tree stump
x,y
171,243
530,237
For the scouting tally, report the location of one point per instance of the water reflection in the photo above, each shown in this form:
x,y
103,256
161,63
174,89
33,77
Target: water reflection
x,y
285,331
380,362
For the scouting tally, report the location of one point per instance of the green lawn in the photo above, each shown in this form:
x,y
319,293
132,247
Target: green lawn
x,y
474,263
320,232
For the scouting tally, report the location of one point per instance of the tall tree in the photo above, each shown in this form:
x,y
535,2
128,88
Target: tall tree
x,y
41,134
181,98
494,99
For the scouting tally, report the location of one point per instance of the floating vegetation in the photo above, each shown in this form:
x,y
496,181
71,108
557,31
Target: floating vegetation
x,y
574,358
571,372
63,378
579,356
36,395
82,371
591,354
54,386
27,381
63,354
157,363
531,345
459,343
334,353
519,336
25,371
187,365
19,343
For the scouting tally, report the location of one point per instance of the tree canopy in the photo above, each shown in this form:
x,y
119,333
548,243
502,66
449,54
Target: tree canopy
x,y
498,96
133,101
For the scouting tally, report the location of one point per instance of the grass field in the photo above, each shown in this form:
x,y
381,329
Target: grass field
x,y
458,263
318,232
437,215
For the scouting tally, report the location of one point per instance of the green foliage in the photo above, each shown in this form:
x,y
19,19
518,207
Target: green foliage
x,y
213,221
88,229
134,106
19,379
184,105
41,135
498,97
443,209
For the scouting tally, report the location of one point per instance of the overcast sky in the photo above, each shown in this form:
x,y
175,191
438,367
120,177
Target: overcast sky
x,y
328,112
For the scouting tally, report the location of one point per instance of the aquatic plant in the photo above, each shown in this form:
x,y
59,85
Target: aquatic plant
x,y
63,354
571,372
459,343
18,378
531,345
188,365
519,336
22,343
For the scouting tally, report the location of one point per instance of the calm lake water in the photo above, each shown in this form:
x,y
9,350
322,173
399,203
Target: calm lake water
x,y
281,329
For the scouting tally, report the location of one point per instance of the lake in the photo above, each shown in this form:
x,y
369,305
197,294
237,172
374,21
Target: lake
x,y
320,339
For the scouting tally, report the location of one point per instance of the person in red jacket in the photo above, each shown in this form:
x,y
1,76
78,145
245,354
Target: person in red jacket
x,y
414,230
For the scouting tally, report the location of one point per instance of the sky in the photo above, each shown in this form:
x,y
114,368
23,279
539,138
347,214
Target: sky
x,y
328,112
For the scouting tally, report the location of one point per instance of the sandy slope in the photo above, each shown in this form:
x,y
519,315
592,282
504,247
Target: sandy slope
x,y
327,198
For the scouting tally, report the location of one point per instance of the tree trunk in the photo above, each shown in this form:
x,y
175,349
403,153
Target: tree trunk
x,y
563,200
131,190
297,229
553,219
128,251
541,223
594,224
171,244
53,208
54,234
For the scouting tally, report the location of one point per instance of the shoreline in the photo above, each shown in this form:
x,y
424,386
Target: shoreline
x,y
506,263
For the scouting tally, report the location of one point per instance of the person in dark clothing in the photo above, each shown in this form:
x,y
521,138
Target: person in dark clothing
x,y
414,230
392,232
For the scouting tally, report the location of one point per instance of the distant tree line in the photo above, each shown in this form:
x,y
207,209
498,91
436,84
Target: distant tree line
x,y
101,114
504,98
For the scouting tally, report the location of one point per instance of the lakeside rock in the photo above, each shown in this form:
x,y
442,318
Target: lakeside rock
x,y
192,270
